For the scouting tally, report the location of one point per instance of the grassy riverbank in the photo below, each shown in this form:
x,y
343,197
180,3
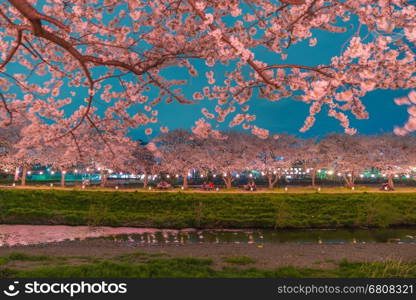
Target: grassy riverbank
x,y
206,210
144,265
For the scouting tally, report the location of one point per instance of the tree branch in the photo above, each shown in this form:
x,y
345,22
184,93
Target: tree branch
x,y
7,109
298,67
14,49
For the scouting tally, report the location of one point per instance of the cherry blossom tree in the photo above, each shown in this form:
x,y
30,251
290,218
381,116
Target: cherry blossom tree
x,y
109,151
179,152
391,154
9,136
110,55
233,153
347,155
104,146
17,154
314,157
410,125
144,161
274,155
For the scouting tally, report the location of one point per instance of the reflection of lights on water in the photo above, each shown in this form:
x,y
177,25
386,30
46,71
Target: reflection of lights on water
x,y
13,236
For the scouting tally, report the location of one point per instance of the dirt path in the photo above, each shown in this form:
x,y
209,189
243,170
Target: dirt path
x,y
292,189
267,257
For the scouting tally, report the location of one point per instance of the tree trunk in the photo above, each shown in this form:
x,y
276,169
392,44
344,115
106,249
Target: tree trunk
x,y
62,178
145,180
349,180
313,177
103,178
228,180
24,172
272,180
390,181
352,180
185,180
269,179
16,174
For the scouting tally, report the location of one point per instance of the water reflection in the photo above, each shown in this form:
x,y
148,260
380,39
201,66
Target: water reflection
x,y
11,235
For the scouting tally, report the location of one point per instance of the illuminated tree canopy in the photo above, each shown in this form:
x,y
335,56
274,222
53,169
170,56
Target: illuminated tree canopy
x,y
112,54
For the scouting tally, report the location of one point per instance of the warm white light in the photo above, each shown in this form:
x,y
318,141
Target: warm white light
x,y
262,173
88,170
361,175
225,174
28,172
339,174
110,171
63,172
116,187
215,175
176,175
349,175
330,172
41,173
76,171
251,175
396,176
372,175
168,176
202,175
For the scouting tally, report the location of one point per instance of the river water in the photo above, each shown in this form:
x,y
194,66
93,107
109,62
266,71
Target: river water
x,y
13,235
